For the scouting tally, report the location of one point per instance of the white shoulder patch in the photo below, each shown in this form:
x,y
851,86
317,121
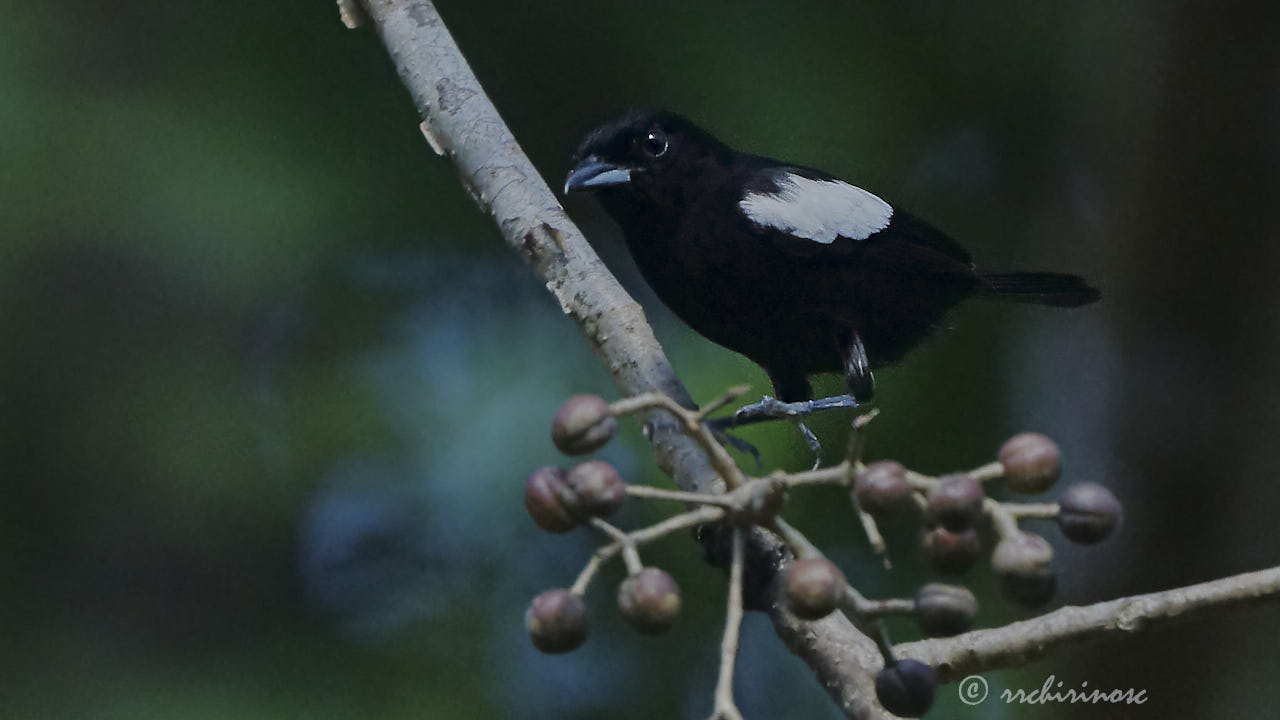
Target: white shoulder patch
x,y
819,210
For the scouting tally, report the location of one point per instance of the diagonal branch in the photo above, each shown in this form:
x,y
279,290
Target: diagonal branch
x,y
1021,642
461,123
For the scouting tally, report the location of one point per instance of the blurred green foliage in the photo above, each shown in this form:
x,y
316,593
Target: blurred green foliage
x,y
271,383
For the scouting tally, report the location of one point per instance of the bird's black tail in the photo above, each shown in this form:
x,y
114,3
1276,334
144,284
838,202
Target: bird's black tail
x,y
1039,288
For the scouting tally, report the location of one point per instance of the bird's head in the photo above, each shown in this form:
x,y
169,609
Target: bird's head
x,y
639,154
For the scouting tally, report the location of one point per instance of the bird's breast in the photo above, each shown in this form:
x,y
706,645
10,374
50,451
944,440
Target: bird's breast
x,y
729,285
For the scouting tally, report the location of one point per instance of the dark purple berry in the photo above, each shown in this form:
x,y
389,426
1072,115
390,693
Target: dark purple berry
x,y
649,600
1024,563
1032,463
557,621
945,610
951,552
955,502
547,499
881,489
906,688
813,587
1088,513
598,489
582,425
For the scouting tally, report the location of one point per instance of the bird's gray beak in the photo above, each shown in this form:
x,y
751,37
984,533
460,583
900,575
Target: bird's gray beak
x,y
593,173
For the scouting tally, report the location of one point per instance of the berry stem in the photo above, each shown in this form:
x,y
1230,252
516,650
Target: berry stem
x,y
691,422
725,708
1005,523
640,537
794,539
652,493
629,553
993,470
1032,510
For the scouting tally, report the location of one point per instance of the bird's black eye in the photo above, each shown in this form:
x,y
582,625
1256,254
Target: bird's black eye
x,y
655,143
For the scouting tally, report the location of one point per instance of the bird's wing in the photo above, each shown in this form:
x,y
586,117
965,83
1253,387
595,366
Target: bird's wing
x,y
809,213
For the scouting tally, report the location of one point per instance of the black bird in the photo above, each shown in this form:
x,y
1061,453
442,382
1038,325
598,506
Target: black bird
x,y
798,270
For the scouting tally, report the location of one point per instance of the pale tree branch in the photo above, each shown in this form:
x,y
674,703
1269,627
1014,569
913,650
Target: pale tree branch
x,y
1021,642
461,123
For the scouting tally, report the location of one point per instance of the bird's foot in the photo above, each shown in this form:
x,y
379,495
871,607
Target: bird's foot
x,y
771,408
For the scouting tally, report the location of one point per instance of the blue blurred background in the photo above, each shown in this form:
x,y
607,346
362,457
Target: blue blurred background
x,y
271,384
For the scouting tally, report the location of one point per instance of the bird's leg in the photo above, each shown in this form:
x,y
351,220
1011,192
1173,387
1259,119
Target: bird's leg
x,y
857,369
857,378
771,408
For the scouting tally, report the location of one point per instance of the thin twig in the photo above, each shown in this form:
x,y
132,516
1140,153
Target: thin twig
x,y
1032,510
874,538
854,601
794,539
920,482
640,537
594,563
880,633
725,708
857,438
991,471
692,424
1001,519
677,522
889,606
729,396
653,493
630,555
851,465
865,609
833,475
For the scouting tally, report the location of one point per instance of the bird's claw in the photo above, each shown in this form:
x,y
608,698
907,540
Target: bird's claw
x,y
811,440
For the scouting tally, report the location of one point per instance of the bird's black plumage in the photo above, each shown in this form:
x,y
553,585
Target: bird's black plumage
x,y
794,268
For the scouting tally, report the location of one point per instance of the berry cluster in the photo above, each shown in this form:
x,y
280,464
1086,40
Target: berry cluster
x,y
950,507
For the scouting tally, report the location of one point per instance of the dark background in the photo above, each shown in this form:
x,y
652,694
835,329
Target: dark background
x,y
271,384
